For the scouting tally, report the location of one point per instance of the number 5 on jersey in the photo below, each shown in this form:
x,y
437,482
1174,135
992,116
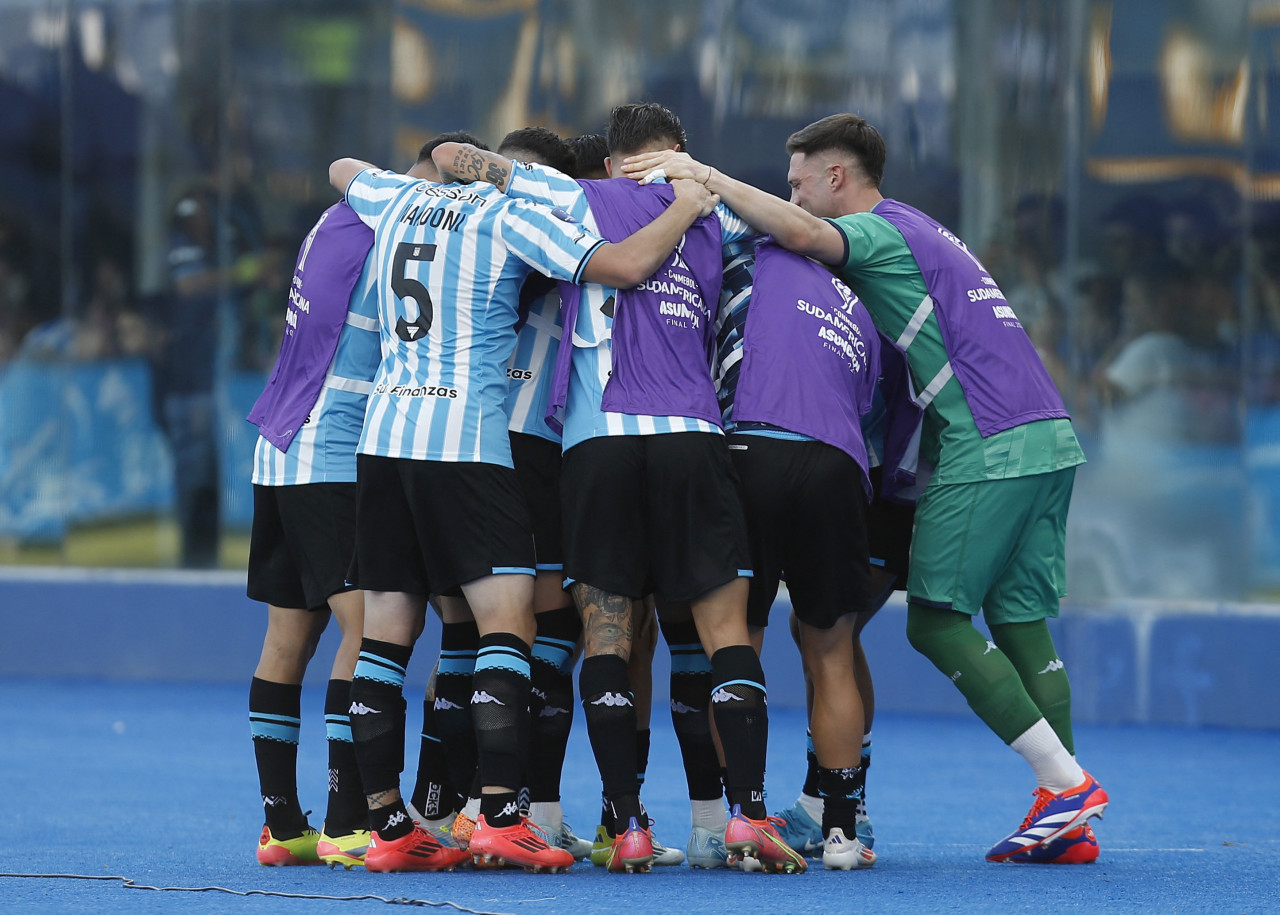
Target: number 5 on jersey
x,y
406,287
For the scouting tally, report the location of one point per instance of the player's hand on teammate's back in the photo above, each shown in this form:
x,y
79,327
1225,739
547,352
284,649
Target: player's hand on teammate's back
x,y
687,187
666,163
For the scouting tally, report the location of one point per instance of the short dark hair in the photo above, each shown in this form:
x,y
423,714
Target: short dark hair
x,y
590,150
845,133
635,126
543,147
453,136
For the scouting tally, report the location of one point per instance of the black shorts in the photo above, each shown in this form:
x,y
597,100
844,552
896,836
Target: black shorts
x,y
426,527
537,463
806,517
889,527
302,542
653,513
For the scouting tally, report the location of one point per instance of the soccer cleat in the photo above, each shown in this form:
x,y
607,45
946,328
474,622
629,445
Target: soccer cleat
x,y
601,847
862,825
1079,846
759,846
706,848
799,830
416,850
564,838
1051,816
347,849
662,855
840,853
515,846
463,827
631,850
273,852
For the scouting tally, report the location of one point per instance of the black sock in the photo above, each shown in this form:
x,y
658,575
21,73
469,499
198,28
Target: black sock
x,y
275,711
811,767
433,792
551,706
643,737
840,790
391,822
347,811
740,706
690,702
501,809
611,725
458,645
377,714
500,711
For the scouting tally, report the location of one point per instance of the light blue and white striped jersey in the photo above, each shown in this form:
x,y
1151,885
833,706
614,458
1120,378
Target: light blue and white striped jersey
x,y
324,450
450,261
533,363
593,353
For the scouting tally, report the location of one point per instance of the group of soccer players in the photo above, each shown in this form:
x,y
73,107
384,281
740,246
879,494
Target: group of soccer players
x,y
551,407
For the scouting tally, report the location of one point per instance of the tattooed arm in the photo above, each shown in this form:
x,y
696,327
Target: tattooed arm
x,y
464,162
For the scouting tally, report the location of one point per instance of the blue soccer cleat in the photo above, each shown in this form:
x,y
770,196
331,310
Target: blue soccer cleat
x,y
799,831
1051,816
1079,846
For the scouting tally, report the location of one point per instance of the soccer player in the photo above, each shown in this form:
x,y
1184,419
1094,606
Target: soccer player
x,y
652,505
303,539
991,524
535,450
439,510
799,359
890,518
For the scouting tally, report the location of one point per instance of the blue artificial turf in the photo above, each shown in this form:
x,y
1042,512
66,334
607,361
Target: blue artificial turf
x,y
156,783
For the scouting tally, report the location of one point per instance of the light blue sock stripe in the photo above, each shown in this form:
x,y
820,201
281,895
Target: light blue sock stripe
x,y
432,737
339,732
370,670
512,661
457,666
753,683
746,573
269,731
689,659
563,643
379,659
276,719
551,654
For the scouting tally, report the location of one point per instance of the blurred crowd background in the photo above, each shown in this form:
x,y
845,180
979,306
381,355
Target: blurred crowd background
x,y
1116,165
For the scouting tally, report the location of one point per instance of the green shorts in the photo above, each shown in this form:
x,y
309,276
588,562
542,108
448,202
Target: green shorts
x,y
995,545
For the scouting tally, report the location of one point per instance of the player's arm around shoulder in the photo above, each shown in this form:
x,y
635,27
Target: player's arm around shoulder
x,y
523,180
634,259
789,225
343,171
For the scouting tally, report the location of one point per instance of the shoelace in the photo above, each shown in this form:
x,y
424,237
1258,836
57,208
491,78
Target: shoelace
x,y
1043,796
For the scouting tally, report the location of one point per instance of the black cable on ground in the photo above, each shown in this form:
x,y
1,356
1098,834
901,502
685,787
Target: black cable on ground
x,y
129,884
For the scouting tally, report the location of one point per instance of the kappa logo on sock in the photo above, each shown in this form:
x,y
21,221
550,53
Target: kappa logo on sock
x,y
550,711
613,700
1055,664
723,695
511,809
443,705
481,697
991,646
679,708
398,817
359,708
